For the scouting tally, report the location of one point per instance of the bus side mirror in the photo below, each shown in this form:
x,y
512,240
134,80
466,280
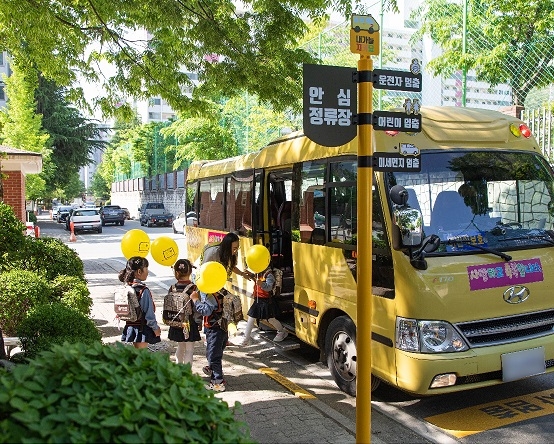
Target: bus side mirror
x,y
410,225
407,222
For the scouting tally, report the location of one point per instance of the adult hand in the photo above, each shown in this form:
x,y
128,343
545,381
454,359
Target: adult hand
x,y
158,332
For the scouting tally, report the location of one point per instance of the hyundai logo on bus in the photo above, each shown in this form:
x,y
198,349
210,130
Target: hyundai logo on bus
x,y
330,102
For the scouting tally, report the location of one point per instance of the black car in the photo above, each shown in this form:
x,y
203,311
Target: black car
x,y
67,220
112,214
63,213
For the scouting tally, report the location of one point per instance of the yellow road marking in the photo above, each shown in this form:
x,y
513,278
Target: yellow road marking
x,y
296,389
496,414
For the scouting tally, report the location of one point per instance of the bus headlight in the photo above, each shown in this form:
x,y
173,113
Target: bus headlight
x,y
428,336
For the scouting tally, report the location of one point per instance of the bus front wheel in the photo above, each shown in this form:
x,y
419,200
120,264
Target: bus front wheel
x,y
340,348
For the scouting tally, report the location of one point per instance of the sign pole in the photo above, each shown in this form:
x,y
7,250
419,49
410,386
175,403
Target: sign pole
x,y
364,265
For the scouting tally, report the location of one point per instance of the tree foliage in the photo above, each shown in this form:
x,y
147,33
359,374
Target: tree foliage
x,y
73,138
199,138
21,125
508,41
150,47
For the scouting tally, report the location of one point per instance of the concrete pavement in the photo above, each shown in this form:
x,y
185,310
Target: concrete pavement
x,y
273,413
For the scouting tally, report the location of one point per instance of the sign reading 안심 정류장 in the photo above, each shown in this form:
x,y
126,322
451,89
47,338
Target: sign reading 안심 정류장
x,y
330,103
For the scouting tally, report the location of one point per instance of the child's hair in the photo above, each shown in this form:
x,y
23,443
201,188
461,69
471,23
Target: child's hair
x,y
183,267
133,265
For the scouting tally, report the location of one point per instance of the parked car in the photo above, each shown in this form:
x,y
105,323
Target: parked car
x,y
86,219
68,219
154,213
112,214
63,213
127,213
179,222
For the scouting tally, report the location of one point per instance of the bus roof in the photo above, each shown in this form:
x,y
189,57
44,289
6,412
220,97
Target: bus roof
x,y
442,127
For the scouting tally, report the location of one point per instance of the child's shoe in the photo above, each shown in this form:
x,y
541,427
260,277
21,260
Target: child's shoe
x,y
281,335
245,342
216,386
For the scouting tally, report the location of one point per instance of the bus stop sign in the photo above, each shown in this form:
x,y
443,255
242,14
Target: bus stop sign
x,y
330,103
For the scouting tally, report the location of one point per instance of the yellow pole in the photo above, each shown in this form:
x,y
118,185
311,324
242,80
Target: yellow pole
x,y
365,204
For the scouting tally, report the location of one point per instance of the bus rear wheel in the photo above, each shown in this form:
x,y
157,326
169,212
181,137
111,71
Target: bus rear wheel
x,y
340,348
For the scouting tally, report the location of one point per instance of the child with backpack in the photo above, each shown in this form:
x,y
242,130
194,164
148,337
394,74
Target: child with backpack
x,y
211,307
265,306
183,328
145,329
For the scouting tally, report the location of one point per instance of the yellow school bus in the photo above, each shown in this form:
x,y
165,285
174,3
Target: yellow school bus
x,y
462,255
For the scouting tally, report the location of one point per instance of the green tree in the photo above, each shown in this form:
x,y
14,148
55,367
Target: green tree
x,y
73,138
21,125
199,138
230,49
99,187
508,41
255,125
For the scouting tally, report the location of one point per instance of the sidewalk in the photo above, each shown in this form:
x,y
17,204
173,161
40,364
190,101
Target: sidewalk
x,y
273,413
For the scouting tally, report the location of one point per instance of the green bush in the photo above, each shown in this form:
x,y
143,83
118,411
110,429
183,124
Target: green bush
x,y
73,292
11,231
103,393
55,323
49,257
20,290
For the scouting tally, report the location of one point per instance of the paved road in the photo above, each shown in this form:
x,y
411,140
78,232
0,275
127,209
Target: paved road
x,y
282,401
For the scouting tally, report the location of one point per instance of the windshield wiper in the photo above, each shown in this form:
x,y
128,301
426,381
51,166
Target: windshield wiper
x,y
504,256
529,237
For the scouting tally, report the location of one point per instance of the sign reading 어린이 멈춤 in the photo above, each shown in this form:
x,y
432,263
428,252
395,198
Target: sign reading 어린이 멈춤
x,y
330,103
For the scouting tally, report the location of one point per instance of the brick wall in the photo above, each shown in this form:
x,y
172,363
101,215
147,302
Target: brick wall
x,y
14,193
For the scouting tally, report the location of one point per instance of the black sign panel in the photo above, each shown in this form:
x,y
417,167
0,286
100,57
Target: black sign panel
x,y
396,162
330,103
395,121
396,80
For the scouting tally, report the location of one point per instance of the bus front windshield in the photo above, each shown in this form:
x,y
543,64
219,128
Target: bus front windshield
x,y
496,199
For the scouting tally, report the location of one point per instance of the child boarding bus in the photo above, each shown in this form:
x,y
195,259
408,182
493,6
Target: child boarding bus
x,y
463,250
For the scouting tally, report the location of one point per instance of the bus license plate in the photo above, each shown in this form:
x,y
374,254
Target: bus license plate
x,y
523,363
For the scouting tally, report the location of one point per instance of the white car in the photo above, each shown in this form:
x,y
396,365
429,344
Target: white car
x,y
184,218
179,222
86,219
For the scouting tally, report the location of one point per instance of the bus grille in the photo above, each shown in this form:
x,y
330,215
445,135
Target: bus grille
x,y
508,329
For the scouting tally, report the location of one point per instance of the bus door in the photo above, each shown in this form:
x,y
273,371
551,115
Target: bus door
x,y
280,223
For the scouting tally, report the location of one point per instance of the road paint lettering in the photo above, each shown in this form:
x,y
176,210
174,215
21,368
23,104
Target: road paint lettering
x,y
298,391
479,418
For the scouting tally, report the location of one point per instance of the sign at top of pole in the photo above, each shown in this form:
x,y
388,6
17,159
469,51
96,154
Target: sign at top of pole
x,y
364,35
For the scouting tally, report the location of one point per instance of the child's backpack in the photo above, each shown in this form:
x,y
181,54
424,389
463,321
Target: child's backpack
x,y
278,273
232,308
177,306
127,303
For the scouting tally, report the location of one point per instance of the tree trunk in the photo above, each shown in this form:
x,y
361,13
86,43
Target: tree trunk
x,y
2,348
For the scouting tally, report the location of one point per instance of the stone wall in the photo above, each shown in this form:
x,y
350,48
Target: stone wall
x,y
166,188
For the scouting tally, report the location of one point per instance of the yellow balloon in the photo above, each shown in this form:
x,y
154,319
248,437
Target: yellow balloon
x,y
232,329
135,243
164,250
257,258
211,277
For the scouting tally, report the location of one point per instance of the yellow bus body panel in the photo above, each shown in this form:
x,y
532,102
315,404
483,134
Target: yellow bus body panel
x,y
441,292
